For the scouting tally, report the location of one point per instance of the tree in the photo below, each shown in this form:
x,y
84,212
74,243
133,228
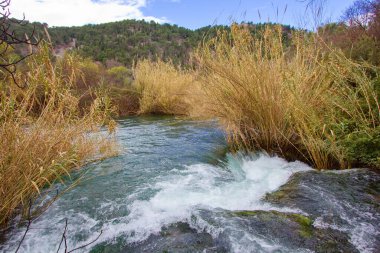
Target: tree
x,y
9,39
358,33
358,14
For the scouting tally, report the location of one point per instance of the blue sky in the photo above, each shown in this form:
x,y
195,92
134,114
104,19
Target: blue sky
x,y
188,13
198,13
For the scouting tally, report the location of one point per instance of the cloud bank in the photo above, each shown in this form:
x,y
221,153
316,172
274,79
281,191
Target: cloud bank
x,y
79,12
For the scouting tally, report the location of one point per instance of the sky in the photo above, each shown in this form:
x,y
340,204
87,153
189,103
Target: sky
x,y
191,14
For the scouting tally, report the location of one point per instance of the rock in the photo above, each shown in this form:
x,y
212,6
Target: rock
x,y
344,201
294,231
333,212
178,238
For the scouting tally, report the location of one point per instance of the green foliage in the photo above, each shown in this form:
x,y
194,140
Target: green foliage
x,y
367,49
127,40
363,147
120,75
130,40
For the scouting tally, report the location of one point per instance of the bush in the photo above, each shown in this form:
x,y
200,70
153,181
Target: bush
x,y
119,76
286,100
44,134
163,88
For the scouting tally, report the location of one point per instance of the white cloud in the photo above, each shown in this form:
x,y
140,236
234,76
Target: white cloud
x,y
79,12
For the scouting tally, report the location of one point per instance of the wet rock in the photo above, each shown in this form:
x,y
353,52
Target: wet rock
x,y
304,190
305,228
343,201
294,232
177,238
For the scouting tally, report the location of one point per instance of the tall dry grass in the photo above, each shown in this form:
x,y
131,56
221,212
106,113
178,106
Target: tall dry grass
x,y
44,135
163,88
287,100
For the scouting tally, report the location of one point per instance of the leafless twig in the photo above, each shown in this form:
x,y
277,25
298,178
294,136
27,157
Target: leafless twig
x,y
8,39
85,245
27,227
63,238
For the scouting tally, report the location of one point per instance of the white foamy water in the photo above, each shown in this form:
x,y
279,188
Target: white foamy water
x,y
238,187
179,196
362,233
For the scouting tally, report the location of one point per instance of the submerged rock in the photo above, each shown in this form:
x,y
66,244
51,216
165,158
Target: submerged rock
x,y
345,201
295,232
336,212
179,238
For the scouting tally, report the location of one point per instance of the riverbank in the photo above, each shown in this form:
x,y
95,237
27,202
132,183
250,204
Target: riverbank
x,y
177,189
299,99
45,134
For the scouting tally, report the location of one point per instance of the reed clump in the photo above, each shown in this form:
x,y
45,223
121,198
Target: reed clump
x,y
44,134
162,88
302,101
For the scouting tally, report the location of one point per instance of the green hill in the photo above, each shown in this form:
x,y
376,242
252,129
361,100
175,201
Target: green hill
x,y
128,40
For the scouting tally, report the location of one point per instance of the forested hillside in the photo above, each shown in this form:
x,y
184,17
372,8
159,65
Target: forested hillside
x,y
129,40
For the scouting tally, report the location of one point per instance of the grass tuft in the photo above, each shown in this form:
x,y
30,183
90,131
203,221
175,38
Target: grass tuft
x,y
163,88
290,100
44,134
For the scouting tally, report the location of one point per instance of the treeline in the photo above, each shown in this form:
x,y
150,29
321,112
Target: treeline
x,y
358,33
126,41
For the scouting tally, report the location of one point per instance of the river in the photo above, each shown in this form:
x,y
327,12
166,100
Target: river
x,y
174,188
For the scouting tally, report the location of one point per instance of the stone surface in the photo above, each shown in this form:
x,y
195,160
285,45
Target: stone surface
x,y
345,201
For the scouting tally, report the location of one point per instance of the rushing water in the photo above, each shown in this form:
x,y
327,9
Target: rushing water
x,y
172,189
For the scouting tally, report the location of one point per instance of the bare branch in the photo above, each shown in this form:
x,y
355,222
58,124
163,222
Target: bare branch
x,y
84,246
9,38
63,238
27,227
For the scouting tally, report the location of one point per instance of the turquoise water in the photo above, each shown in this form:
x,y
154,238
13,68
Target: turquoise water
x,y
171,189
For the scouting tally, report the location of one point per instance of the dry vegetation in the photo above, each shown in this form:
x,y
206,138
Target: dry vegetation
x,y
44,134
163,88
304,101
294,100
